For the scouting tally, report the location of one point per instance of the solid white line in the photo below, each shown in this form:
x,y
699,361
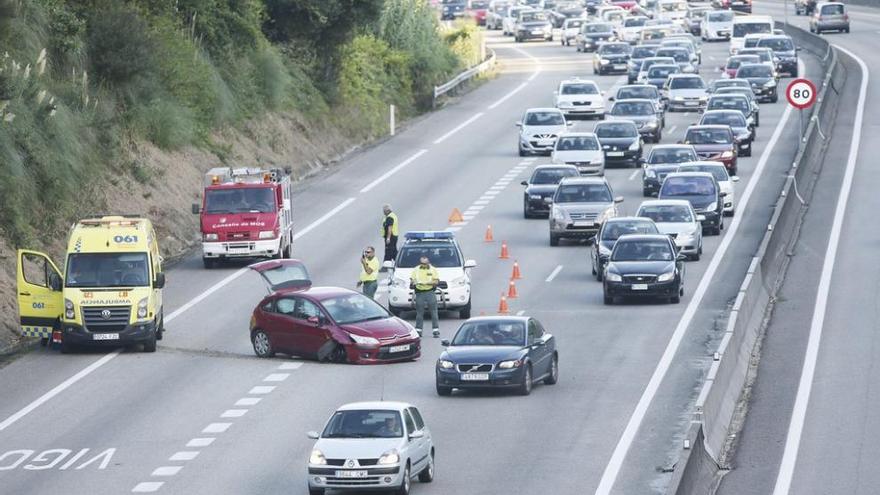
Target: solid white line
x,y
217,428
185,455
458,128
290,366
507,96
262,389
277,377
166,471
452,229
393,171
609,476
200,442
634,174
327,216
554,273
233,413
148,487
802,400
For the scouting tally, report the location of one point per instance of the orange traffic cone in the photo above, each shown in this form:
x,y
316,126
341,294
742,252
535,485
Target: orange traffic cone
x,y
489,237
455,216
502,306
511,290
504,254
482,313
516,275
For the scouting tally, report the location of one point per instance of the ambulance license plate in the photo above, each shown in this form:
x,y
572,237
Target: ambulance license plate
x,y
105,336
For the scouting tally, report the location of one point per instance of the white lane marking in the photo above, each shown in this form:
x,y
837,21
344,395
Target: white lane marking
x,y
248,401
609,476
520,312
485,198
475,208
327,216
507,96
200,442
492,193
634,174
147,487
496,188
554,273
262,389
290,366
481,202
458,128
233,413
452,229
166,470
217,428
802,399
61,387
672,129
277,377
468,218
393,171
459,224
184,455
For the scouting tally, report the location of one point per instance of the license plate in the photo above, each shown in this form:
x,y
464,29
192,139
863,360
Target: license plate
x,y
475,377
640,287
545,142
398,348
615,153
538,31
583,224
351,474
105,336
691,103
620,67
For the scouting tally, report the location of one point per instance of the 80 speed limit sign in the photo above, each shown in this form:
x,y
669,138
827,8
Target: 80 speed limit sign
x,y
801,93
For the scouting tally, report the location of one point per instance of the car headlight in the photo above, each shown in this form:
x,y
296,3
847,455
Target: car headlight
x,y
634,146
712,206
459,282
770,84
267,234
211,237
744,136
142,308
565,104
558,214
613,277
68,309
414,334
605,61
510,364
649,172
399,283
651,124
317,457
727,154
679,98
666,277
361,340
390,457
445,364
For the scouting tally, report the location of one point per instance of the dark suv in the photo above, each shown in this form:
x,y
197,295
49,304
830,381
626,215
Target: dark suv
x,y
703,193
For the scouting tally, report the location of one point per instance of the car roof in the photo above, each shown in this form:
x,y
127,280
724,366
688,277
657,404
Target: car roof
x,y
584,180
628,219
635,100
665,202
685,76
709,126
644,237
582,133
704,175
671,146
639,86
553,166
730,94
720,111
703,163
578,80
543,109
511,318
386,405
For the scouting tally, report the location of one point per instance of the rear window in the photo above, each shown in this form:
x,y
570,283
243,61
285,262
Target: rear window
x,y
647,93
598,28
720,16
547,176
728,104
632,108
583,193
687,83
614,49
679,55
733,119
661,72
615,229
643,51
680,155
754,71
717,171
545,118
777,44
708,136
577,143
634,22
687,186
832,10
741,29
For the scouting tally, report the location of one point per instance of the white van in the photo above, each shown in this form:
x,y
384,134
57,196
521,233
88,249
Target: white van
x,y
673,10
748,24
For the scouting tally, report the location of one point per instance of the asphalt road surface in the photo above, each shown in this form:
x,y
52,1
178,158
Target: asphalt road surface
x,y
204,415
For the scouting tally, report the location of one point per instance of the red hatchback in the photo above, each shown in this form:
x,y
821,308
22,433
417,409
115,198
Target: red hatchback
x,y
325,323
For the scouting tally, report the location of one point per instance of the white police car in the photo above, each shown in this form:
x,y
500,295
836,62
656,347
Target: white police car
x,y
444,253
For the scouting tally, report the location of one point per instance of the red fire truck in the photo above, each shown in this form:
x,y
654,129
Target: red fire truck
x,y
245,213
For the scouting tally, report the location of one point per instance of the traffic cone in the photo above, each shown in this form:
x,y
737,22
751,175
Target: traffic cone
x,y
511,290
516,275
455,216
502,306
489,237
504,254
482,313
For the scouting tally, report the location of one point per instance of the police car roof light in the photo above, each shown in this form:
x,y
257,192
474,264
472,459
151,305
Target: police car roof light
x,y
421,235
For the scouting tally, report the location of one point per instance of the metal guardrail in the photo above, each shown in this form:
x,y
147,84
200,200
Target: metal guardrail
x,y
464,76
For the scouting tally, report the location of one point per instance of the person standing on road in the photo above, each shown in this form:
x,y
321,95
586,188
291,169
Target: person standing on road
x,y
424,281
389,232
369,279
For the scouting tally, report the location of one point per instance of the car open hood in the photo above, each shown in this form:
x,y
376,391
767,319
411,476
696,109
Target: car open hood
x,y
357,448
480,353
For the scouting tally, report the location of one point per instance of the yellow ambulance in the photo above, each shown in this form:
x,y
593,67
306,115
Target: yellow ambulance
x,y
110,292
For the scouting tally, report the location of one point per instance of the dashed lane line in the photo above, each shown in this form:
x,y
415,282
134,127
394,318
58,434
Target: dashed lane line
x,y
553,274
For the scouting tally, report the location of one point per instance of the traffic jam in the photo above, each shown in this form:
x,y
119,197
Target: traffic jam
x,y
108,291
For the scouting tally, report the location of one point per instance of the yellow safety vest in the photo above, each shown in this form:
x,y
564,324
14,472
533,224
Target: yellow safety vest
x,y
424,278
393,217
374,265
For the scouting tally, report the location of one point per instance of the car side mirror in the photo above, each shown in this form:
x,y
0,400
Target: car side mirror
x,y
701,218
524,183
681,257
314,320
518,124
470,263
55,282
313,435
388,264
611,98
195,209
569,124
416,435
618,199
734,178
160,281
679,142
722,194
548,200
444,342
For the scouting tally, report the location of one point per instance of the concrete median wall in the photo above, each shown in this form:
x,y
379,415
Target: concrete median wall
x,y
699,466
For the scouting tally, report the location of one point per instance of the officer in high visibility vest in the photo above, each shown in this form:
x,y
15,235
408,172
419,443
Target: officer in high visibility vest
x,y
369,279
389,233
424,281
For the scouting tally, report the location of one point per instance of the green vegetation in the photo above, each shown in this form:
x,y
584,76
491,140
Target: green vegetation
x,y
80,80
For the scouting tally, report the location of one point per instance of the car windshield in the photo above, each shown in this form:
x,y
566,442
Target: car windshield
x,y
667,213
614,49
441,255
687,186
777,44
760,71
646,92
354,308
832,10
598,28
673,7
583,193
683,44
661,72
687,83
613,130
708,136
740,104
698,13
86,270
544,118
677,54
532,17
240,200
364,423
642,250
671,155
633,108
725,16
733,119
741,29
491,333
548,176
717,171
580,89
634,22
617,228
577,143
644,51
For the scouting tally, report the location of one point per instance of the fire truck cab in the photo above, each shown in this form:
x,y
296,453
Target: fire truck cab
x,y
245,213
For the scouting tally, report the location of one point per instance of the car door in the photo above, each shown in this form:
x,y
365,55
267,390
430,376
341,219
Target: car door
x,y
427,442
537,350
40,300
415,446
278,323
313,328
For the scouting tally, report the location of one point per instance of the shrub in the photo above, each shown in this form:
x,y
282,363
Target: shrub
x,y
121,51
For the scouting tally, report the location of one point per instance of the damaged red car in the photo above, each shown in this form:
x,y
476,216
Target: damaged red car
x,y
325,323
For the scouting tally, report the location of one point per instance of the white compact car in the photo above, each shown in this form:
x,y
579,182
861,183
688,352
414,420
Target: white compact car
x,y
539,129
676,218
581,149
371,446
716,25
685,92
570,28
631,29
580,98
508,22
444,253
725,181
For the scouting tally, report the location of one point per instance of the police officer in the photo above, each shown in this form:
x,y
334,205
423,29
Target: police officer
x,y
424,281
369,272
389,232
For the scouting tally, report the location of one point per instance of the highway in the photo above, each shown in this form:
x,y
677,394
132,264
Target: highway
x,y
815,432
204,415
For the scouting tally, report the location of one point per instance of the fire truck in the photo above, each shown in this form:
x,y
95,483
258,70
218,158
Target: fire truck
x,y
245,213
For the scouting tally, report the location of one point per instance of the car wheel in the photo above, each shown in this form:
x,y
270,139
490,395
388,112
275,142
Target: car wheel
x,y
444,391
774,98
675,299
405,484
522,152
526,213
427,474
794,73
525,388
846,30
150,344
315,491
606,299
696,257
465,312
646,193
554,241
554,372
657,138
263,345
757,120
208,263
599,276
66,348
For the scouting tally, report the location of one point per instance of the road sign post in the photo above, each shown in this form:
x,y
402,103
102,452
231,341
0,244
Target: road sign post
x,y
801,94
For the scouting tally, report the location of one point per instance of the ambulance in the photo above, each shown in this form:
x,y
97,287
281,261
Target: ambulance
x,y
108,292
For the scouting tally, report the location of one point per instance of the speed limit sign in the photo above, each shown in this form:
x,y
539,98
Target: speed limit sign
x,y
801,93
